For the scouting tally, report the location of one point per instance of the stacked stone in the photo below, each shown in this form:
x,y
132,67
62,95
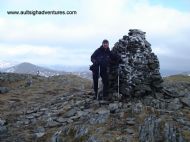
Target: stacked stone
x,y
139,73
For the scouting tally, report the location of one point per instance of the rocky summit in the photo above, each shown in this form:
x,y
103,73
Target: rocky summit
x,y
139,74
62,109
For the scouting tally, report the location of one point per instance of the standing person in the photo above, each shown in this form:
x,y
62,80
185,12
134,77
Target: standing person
x,y
101,59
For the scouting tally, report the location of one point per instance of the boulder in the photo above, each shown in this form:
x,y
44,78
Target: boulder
x,y
4,90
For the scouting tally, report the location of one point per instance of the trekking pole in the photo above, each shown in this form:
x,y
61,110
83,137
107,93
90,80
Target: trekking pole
x,y
97,97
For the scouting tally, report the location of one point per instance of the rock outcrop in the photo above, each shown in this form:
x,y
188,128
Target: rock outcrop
x,y
59,109
139,74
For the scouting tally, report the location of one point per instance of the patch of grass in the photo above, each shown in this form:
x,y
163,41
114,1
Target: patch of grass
x,y
187,114
81,139
72,132
186,135
178,78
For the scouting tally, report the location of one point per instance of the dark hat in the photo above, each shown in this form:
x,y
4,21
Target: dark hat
x,y
105,41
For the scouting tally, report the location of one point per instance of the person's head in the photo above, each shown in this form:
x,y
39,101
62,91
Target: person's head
x,y
105,43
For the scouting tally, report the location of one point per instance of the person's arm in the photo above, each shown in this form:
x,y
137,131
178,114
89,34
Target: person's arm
x,y
94,57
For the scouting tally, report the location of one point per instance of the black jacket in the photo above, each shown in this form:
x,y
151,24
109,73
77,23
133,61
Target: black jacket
x,y
104,57
101,56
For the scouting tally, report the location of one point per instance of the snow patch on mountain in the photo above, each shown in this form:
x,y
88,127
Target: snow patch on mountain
x,y
6,64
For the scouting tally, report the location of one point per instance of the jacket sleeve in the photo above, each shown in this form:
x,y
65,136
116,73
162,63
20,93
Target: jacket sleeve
x,y
94,56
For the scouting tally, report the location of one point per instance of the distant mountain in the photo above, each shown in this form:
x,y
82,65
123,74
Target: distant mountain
x,y
28,68
71,68
85,74
82,71
186,73
6,64
169,72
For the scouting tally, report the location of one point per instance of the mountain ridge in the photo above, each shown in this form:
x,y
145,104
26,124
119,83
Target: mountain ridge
x,y
29,68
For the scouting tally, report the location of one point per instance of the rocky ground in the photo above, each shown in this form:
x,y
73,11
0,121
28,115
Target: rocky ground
x,y
62,109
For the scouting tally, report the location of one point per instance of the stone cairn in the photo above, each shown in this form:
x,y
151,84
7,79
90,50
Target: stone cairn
x,y
139,72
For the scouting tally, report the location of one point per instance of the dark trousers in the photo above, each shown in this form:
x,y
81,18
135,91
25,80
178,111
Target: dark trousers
x,y
104,75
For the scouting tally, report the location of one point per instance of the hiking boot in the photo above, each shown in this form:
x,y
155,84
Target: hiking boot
x,y
100,98
95,96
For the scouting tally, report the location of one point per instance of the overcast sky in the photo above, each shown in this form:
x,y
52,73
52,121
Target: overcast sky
x,y
71,39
